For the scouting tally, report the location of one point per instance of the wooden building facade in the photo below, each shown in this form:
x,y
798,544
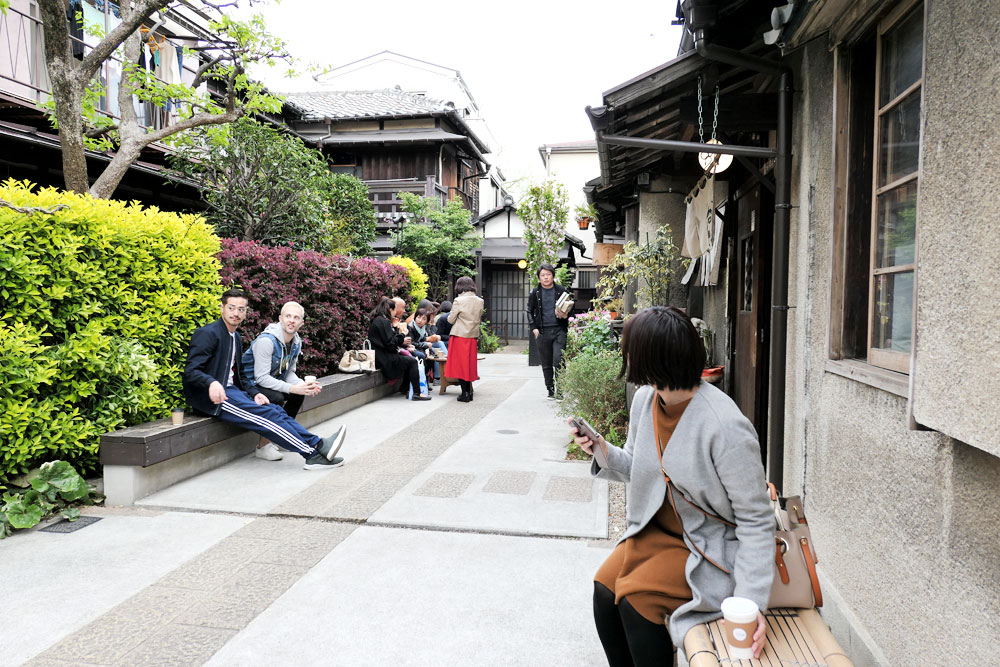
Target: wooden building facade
x,y
395,142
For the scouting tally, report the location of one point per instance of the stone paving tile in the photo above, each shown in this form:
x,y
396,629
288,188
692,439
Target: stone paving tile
x,y
514,482
406,465
156,605
99,643
352,509
445,485
250,591
178,645
270,528
381,486
426,438
569,489
51,662
215,566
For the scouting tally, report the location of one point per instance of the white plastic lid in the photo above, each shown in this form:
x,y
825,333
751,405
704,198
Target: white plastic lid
x,y
740,610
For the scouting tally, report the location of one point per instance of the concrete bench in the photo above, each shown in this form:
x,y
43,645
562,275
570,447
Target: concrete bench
x,y
142,459
796,637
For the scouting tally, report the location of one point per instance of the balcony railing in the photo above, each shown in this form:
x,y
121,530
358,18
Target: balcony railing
x,y
23,73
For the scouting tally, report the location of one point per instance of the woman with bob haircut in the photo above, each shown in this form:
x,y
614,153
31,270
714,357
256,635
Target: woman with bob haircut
x,y
463,340
690,451
387,341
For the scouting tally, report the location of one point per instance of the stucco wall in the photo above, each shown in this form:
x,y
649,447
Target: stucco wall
x,y
658,209
905,521
958,265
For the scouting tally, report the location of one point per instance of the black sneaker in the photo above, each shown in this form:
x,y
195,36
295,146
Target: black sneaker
x,y
331,444
552,395
319,462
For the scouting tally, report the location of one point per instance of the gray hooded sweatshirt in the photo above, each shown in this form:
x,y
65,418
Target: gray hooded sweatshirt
x,y
263,351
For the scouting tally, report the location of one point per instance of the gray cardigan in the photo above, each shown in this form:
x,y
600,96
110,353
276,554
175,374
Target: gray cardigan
x,y
713,458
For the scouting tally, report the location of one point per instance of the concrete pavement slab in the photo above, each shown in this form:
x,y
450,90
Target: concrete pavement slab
x,y
256,486
54,584
555,496
411,597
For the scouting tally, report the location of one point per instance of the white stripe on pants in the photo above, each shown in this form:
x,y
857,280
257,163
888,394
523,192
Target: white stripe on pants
x,y
269,421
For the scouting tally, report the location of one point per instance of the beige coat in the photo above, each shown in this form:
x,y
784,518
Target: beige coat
x,y
466,312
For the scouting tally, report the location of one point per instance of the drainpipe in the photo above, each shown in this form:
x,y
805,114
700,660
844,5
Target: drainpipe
x,y
782,209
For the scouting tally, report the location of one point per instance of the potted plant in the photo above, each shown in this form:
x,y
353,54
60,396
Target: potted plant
x,y
585,214
649,267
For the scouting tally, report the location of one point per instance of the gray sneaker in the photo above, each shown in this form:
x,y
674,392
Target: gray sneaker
x,y
319,462
331,444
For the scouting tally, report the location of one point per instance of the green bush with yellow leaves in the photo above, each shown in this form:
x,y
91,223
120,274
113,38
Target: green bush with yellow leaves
x,y
98,300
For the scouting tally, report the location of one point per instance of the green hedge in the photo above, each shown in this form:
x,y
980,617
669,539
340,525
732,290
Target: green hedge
x,y
97,304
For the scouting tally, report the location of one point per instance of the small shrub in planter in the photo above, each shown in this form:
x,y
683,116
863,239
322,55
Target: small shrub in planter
x,y
337,293
591,389
590,332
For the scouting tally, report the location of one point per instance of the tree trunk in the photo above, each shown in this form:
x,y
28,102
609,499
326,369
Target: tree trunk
x,y
67,90
130,133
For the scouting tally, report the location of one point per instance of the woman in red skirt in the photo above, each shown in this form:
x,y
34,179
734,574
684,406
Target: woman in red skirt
x,y
466,311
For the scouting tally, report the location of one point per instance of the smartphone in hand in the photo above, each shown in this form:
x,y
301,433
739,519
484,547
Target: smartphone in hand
x,y
599,447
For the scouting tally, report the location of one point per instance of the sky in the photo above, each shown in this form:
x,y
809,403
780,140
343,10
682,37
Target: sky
x,y
532,66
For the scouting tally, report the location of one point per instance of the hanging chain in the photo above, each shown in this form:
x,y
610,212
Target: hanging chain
x,y
715,116
701,131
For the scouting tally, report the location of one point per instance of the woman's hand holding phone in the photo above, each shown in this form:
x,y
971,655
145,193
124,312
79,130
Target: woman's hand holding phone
x,y
589,441
586,444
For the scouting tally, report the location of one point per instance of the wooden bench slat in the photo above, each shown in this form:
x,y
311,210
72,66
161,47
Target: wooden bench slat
x,y
795,638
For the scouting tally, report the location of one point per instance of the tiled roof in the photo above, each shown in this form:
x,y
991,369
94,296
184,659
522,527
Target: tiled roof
x,y
364,104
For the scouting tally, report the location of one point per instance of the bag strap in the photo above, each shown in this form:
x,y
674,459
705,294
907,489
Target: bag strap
x,y
670,495
367,345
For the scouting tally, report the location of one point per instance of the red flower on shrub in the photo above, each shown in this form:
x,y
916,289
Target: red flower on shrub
x,y
338,294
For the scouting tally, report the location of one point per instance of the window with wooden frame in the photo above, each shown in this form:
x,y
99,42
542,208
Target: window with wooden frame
x,y
877,106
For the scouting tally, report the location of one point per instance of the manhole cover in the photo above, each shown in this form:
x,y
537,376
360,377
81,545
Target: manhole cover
x,y
507,431
65,526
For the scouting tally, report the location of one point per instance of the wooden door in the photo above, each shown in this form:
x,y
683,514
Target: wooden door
x,y
751,264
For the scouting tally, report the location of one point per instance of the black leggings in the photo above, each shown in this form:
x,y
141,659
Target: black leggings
x,y
629,640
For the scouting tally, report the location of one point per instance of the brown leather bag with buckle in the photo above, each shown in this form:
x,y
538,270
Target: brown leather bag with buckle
x,y
796,583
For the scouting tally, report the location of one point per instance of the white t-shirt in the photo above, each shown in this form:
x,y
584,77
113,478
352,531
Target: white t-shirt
x,y
232,358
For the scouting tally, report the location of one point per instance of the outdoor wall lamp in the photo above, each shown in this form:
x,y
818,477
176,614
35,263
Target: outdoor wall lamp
x,y
521,264
508,201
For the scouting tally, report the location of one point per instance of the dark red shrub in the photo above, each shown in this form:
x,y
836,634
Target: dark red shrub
x,y
338,294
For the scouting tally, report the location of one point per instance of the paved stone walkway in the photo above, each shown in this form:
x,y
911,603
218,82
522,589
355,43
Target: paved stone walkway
x,y
497,572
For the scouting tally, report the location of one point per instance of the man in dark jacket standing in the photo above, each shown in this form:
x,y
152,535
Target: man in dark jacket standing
x,y
548,325
215,385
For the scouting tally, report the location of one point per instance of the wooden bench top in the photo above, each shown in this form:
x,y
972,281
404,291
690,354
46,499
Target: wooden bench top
x,y
153,442
795,637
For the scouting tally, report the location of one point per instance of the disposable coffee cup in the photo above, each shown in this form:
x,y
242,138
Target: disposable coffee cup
x,y
741,623
310,378
177,416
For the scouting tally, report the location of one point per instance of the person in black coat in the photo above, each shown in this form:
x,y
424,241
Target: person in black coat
x,y
386,341
548,325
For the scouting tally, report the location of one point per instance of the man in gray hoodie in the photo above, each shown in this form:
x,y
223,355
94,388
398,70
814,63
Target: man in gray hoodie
x,y
271,359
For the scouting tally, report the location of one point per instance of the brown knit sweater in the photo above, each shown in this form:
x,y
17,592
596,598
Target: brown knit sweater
x,y
648,568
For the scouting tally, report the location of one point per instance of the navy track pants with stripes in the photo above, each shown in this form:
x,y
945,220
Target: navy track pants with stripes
x,y
269,420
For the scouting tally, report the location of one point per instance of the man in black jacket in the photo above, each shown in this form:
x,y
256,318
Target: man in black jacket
x,y
548,325
215,386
